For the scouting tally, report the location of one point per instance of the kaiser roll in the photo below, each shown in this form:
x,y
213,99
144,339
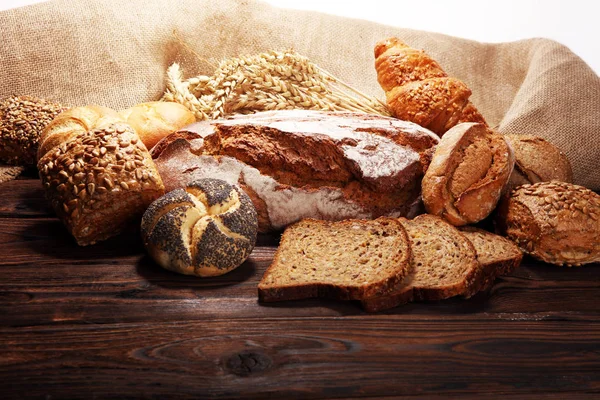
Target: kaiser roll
x,y
207,228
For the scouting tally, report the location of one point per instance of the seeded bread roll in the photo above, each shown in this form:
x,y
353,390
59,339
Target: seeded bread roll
x,y
22,119
154,120
556,222
537,160
470,167
207,229
97,174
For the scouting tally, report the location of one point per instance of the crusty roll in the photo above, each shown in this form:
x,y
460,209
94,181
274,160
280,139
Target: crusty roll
x,y
97,174
22,119
537,160
154,120
470,167
207,229
556,222
418,90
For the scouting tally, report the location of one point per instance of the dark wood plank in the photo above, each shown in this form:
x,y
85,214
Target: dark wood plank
x,y
302,358
23,198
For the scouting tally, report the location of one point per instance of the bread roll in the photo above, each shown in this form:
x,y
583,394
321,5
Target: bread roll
x,y
154,120
537,160
556,222
97,174
469,169
207,229
22,119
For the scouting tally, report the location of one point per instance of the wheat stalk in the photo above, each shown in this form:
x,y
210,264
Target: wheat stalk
x,y
266,81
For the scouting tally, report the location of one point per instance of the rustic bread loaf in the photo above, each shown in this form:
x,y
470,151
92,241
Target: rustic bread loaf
x,y
444,265
300,164
496,255
207,229
97,174
556,222
345,260
468,172
537,160
22,119
154,120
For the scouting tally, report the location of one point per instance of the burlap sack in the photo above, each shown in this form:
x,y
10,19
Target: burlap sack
x,y
115,53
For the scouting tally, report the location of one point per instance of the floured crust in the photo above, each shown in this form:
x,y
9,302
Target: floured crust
x,y
468,172
301,164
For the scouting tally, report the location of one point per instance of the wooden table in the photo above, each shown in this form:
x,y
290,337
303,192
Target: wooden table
x,y
105,321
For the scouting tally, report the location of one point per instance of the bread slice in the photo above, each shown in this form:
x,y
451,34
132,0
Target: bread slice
x,y
444,264
497,255
345,260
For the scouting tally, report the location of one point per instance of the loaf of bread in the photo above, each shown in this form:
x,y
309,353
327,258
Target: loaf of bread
x,y
207,229
443,264
154,120
418,90
468,172
97,175
305,164
537,160
555,222
345,260
22,119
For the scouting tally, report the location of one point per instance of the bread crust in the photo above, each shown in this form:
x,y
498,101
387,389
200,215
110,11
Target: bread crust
x,y
470,167
269,293
555,222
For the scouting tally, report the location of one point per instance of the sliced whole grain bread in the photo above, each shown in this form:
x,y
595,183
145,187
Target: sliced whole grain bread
x,y
497,255
444,264
345,260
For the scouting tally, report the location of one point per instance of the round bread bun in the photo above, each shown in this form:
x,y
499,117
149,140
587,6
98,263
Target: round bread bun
x,y
154,120
22,119
205,229
555,222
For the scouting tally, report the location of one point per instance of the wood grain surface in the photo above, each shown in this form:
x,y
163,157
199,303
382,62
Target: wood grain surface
x,y
106,322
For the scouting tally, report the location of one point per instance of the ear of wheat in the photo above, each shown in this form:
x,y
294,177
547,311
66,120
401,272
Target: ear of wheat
x,y
267,81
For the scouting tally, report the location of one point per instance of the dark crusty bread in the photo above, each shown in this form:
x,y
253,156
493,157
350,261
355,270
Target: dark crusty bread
x,y
444,265
497,255
306,164
346,260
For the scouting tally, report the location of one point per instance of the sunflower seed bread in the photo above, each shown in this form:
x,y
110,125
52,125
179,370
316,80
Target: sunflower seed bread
x,y
444,264
555,222
345,260
97,175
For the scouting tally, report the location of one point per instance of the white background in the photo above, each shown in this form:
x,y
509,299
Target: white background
x,y
575,23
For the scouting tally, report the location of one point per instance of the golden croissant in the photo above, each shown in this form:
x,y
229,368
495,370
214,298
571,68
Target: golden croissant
x,y
418,90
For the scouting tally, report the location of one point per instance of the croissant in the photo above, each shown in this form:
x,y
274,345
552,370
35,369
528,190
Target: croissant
x,y
418,90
